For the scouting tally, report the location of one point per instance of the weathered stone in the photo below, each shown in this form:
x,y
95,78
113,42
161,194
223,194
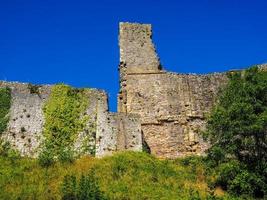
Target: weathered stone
x,y
165,110
172,106
25,127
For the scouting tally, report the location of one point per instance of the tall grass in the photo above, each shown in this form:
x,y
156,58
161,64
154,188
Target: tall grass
x,y
126,175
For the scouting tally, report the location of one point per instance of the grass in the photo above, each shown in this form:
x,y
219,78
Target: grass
x,y
126,175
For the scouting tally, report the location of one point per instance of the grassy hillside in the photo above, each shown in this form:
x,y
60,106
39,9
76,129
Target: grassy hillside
x,y
126,175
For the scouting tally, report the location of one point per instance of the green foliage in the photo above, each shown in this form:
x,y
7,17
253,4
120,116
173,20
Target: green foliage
x,y
237,130
64,119
85,188
126,175
227,172
232,176
7,151
132,175
34,89
5,103
69,188
46,157
247,183
239,121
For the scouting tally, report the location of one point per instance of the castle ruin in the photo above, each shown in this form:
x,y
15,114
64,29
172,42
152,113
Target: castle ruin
x,y
164,110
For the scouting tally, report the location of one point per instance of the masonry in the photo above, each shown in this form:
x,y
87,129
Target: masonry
x,y
172,106
164,110
114,132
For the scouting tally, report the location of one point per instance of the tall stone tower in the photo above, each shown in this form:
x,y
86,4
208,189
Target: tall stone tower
x,y
137,55
172,106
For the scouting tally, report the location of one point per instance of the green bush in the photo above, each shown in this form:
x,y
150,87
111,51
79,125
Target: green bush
x,y
34,89
132,175
236,130
235,178
237,124
87,187
69,188
9,153
247,183
66,155
227,172
5,103
216,155
191,161
46,157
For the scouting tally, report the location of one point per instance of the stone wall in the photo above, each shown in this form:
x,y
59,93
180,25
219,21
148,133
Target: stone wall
x,y
24,131
113,132
164,110
124,133
172,109
172,106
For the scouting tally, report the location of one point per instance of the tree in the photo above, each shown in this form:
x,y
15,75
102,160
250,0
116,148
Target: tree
x,y
237,126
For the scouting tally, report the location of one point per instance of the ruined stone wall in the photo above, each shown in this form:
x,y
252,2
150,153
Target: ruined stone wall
x,y
124,133
25,127
166,110
24,131
172,109
172,106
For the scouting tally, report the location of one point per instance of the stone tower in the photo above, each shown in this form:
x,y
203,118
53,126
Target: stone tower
x,y
172,106
137,55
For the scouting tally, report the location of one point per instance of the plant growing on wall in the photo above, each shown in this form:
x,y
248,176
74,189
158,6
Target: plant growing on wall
x,y
65,117
5,103
34,89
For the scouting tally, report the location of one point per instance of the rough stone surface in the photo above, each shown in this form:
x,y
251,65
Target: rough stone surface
x,y
24,130
172,109
106,131
124,133
162,109
172,106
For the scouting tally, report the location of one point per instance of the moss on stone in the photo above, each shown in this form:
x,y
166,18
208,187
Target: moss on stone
x,y
5,103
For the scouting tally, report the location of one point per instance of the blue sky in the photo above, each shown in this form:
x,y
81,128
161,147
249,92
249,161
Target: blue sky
x,y
76,42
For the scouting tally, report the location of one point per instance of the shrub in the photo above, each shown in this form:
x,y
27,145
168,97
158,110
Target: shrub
x,y
234,177
215,156
69,188
66,155
247,183
237,124
5,103
236,129
7,151
34,89
86,187
46,157
227,172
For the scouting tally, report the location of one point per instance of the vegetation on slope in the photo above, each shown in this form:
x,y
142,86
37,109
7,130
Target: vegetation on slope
x,y
5,103
235,166
237,129
127,175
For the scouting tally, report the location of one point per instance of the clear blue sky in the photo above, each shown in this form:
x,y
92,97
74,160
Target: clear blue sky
x,y
76,42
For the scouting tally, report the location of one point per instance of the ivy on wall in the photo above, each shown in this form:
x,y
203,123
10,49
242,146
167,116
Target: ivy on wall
x,y
65,118
5,103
